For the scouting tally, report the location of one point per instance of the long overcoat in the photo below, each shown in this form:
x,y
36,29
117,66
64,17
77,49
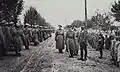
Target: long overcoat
x,y
59,38
7,36
70,38
2,43
76,42
17,40
35,35
27,36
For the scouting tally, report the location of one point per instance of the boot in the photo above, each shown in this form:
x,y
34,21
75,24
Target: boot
x,y
80,59
71,57
18,54
27,47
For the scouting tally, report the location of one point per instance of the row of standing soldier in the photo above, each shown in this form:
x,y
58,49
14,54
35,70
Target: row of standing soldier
x,y
110,42
14,37
75,40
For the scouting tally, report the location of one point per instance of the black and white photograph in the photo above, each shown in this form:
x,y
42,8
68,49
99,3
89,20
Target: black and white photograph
x,y
59,35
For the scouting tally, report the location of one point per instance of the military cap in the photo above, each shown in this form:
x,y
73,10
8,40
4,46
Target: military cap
x,y
26,25
10,24
18,25
69,26
82,27
60,25
40,26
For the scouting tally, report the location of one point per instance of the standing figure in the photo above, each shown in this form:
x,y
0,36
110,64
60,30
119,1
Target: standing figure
x,y
82,40
59,38
8,37
107,42
101,45
113,41
70,38
2,43
117,51
40,34
17,41
76,41
27,36
35,37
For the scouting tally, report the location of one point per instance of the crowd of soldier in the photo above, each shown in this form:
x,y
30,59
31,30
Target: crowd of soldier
x,y
16,37
79,40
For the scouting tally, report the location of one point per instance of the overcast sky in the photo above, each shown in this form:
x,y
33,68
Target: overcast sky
x,y
65,11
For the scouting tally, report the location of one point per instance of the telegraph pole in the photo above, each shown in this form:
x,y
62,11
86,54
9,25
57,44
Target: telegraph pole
x,y
65,19
86,13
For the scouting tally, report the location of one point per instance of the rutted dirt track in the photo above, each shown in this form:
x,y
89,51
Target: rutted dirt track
x,y
45,58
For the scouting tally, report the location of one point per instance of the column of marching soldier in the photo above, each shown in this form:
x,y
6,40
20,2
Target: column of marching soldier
x,y
75,40
16,37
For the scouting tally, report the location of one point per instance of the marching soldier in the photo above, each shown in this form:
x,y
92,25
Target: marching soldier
x,y
82,40
59,38
70,40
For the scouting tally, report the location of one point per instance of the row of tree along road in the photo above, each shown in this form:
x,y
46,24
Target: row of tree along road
x,y
102,20
11,27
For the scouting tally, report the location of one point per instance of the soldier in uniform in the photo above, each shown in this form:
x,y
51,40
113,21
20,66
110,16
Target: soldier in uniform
x,y
101,45
59,38
2,42
35,36
50,32
107,42
28,35
82,40
117,51
7,37
40,34
112,49
70,40
17,41
76,41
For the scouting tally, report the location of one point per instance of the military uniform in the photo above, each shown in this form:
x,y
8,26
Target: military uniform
x,y
76,42
59,38
27,36
82,40
70,38
7,37
107,43
2,43
45,34
101,45
17,41
35,37
40,35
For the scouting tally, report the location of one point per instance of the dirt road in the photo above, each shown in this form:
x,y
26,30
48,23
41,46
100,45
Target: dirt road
x,y
45,58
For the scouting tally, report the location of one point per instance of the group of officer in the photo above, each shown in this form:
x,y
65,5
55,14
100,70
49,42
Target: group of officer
x,y
72,39
14,37
75,40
